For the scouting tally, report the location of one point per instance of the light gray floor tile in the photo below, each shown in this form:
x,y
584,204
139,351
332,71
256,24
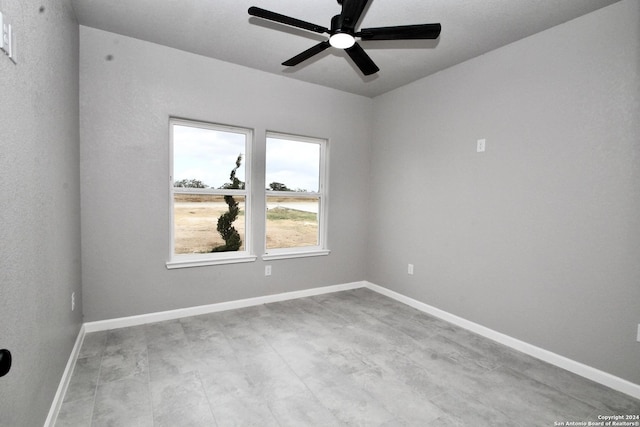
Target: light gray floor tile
x,y
426,380
126,339
180,401
241,409
353,358
353,406
347,358
273,379
240,319
142,421
120,364
202,328
249,347
302,409
463,409
169,331
229,380
525,399
208,354
195,416
169,358
124,402
75,413
93,344
609,402
84,379
397,398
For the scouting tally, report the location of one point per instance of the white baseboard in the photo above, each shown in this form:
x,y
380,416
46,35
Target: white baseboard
x,y
123,322
570,365
64,381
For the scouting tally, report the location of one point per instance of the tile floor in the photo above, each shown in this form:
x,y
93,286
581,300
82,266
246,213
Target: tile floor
x,y
348,358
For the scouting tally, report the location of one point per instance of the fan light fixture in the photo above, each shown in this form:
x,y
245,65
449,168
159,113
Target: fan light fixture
x,y
342,40
342,33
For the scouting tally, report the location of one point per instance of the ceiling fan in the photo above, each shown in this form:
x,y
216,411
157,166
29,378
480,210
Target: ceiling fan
x,y
342,34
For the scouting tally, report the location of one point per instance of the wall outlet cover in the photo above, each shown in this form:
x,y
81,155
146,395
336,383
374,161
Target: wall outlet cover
x,y
481,145
2,23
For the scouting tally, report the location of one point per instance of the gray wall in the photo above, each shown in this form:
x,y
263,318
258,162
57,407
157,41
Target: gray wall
x,y
538,237
125,106
40,206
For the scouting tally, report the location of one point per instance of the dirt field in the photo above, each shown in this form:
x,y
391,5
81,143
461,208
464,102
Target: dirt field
x,y
196,218
289,228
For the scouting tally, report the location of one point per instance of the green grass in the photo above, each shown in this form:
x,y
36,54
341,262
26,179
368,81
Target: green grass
x,y
276,214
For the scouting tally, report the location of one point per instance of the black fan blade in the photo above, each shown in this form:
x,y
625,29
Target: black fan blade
x,y
306,54
283,19
362,60
351,12
401,32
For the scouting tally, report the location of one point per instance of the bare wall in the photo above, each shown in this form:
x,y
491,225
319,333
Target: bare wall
x,y
128,91
539,236
40,206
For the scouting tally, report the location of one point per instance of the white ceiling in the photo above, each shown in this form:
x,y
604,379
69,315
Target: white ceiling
x,y
223,29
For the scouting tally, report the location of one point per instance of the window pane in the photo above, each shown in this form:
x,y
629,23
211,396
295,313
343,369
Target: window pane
x,y
292,222
196,218
206,156
292,165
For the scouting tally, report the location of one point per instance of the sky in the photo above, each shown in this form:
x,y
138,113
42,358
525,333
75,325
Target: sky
x,y
293,163
209,156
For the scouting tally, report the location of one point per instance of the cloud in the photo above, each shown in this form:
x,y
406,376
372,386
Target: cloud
x,y
293,163
207,155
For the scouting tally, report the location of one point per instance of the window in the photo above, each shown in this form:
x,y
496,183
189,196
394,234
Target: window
x,y
295,196
209,186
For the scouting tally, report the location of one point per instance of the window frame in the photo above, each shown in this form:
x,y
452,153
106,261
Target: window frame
x,y
322,194
213,258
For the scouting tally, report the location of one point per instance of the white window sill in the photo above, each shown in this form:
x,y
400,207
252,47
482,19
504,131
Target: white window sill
x,y
194,262
295,254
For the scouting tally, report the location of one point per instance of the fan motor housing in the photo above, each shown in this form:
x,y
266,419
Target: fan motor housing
x,y
336,25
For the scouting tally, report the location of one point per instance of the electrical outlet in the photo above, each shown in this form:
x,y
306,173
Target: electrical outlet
x,y
73,301
638,337
12,45
4,28
410,269
481,145
7,38
267,270
1,31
